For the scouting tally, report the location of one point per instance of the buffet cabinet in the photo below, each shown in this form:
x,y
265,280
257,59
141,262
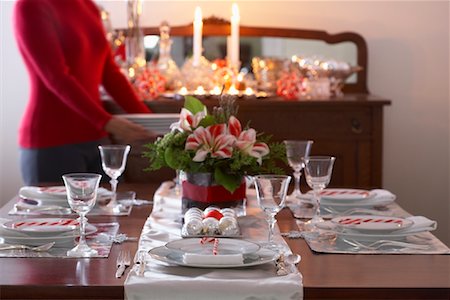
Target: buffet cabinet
x,y
349,128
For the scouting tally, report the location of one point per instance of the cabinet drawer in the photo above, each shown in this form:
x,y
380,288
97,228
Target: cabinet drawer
x,y
328,124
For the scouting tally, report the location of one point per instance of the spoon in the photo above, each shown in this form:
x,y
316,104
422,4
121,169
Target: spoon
x,y
41,248
293,258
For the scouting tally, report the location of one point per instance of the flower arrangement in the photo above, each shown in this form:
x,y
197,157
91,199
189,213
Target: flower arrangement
x,y
215,143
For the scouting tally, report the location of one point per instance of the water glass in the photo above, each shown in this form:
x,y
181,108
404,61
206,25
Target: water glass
x,y
318,171
114,159
271,193
81,191
295,152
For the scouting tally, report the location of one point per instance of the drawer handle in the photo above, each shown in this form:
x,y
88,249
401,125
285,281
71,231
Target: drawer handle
x,y
356,126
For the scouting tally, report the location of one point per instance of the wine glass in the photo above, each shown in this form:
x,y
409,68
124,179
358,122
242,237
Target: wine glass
x,y
271,193
81,191
114,159
295,151
318,171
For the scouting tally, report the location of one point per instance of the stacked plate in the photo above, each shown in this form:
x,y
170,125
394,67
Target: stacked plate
x,y
343,199
38,231
158,123
213,253
53,196
372,228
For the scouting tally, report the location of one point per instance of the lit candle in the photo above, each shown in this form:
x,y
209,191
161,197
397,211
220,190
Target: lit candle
x,y
234,41
248,91
183,91
197,45
216,91
200,90
233,90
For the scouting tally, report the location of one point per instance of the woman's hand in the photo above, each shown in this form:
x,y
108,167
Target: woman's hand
x,y
126,132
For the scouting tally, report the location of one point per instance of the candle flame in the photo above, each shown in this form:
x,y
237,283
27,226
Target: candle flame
x,y
235,11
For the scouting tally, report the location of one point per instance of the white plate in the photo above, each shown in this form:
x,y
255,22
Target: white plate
x,y
371,223
170,256
61,240
53,190
345,195
42,226
373,236
55,195
225,246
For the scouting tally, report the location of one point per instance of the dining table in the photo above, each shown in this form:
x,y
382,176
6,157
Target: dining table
x,y
325,276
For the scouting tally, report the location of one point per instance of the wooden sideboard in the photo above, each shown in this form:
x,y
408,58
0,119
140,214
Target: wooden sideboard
x,y
350,128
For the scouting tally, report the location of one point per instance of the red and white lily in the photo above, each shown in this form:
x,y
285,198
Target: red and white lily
x,y
246,140
188,121
213,140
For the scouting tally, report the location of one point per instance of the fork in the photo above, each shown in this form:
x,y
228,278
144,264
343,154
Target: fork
x,y
41,248
123,261
383,243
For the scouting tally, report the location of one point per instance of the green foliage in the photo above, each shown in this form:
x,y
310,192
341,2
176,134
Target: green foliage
x,y
169,151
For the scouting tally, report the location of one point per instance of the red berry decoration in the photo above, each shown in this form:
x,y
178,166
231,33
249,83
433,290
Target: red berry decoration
x,y
214,214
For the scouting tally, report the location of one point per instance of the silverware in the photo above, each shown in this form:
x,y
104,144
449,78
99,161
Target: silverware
x,y
140,262
385,243
123,261
122,237
355,211
41,248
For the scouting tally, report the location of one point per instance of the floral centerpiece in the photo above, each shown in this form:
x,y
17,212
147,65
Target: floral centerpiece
x,y
216,144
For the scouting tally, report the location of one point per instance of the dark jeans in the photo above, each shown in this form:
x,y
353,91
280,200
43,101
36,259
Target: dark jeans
x,y
47,165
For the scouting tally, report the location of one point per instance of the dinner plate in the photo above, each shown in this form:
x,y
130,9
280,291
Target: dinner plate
x,y
171,256
225,246
371,223
42,226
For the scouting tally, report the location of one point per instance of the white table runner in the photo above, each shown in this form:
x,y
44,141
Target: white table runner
x,y
173,282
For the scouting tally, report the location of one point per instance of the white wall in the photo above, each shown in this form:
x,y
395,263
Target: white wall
x,y
408,44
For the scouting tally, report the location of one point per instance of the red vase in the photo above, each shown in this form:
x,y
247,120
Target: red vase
x,y
200,190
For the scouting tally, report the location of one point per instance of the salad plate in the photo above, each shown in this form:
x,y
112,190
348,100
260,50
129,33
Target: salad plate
x,y
175,257
345,195
225,246
371,223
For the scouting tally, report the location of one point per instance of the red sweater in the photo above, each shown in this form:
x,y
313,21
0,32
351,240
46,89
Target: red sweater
x,y
65,50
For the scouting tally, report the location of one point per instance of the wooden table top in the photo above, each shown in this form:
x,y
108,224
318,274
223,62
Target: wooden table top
x,y
325,276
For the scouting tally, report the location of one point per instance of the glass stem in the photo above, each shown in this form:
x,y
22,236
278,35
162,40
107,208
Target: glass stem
x,y
297,175
83,219
317,199
113,183
271,222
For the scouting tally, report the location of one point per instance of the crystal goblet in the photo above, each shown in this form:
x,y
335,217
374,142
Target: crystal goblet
x,y
318,171
114,159
295,151
82,194
271,193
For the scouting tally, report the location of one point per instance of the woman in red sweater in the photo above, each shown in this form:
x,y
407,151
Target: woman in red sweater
x,y
67,56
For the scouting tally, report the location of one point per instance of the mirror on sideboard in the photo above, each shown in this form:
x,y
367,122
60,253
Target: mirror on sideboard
x,y
281,43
